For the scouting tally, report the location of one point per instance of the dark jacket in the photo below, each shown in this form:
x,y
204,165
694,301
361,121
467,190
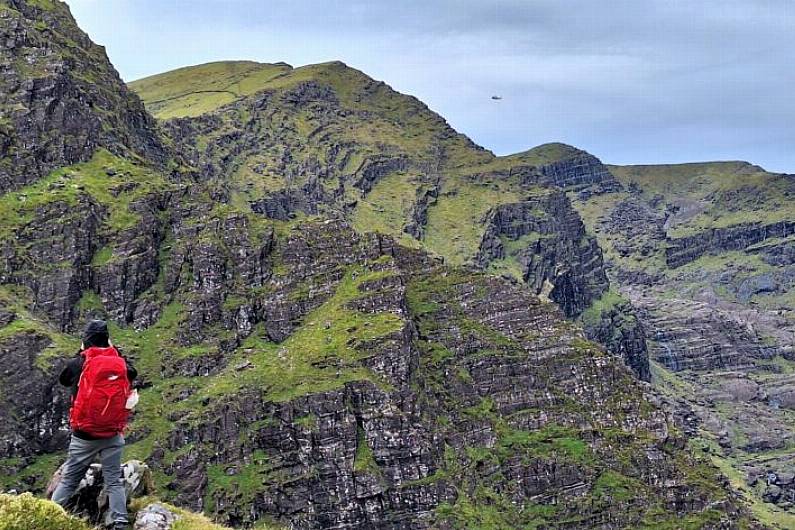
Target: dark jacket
x,y
70,377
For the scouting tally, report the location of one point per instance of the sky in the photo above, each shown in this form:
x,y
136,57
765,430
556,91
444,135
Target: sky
x,y
631,81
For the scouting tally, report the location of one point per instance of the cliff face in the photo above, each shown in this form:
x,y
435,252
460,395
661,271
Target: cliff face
x,y
703,251
300,283
327,140
545,238
474,373
356,383
60,96
683,250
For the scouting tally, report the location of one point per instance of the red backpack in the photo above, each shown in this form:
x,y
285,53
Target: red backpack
x,y
99,409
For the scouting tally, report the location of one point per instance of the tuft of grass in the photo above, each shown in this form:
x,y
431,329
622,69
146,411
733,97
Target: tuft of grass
x,y
364,461
487,509
26,512
608,301
244,482
613,486
551,440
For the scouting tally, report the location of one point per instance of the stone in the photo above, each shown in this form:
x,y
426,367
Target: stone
x,y
155,516
772,493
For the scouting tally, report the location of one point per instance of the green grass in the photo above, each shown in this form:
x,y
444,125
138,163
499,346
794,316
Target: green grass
x,y
68,185
615,487
455,227
386,208
550,441
607,302
392,119
36,475
537,156
102,257
364,461
319,356
488,510
26,512
731,193
196,90
246,481
545,154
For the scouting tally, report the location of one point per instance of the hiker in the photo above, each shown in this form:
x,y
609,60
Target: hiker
x,y
101,398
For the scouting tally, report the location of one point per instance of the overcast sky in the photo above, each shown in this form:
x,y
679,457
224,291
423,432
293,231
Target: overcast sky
x,y
632,81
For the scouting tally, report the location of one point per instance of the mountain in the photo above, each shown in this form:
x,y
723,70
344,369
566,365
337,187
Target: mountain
x,y
328,140
345,313
705,253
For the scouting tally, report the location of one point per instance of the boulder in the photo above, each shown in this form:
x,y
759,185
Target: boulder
x,y
155,517
91,501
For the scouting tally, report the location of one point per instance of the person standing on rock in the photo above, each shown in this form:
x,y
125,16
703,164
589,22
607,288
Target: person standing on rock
x,y
101,382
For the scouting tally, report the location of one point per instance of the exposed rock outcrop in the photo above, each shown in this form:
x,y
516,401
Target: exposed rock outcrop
x,y
691,335
620,330
32,412
548,240
580,171
686,249
155,517
476,365
60,97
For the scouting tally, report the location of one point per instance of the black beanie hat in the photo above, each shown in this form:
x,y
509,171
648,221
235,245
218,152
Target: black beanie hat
x,y
96,334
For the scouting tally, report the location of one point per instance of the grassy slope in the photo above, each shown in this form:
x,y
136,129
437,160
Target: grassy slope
x,y
725,193
707,195
394,118
111,181
379,121
194,90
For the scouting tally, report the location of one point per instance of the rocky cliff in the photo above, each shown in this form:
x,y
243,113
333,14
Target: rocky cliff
x,y
703,251
545,238
349,147
60,97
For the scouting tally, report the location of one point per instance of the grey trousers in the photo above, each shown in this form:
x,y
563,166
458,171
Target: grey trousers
x,y
81,455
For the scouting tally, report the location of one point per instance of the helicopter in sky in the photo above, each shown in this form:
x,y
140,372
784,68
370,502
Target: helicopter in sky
x,y
496,98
